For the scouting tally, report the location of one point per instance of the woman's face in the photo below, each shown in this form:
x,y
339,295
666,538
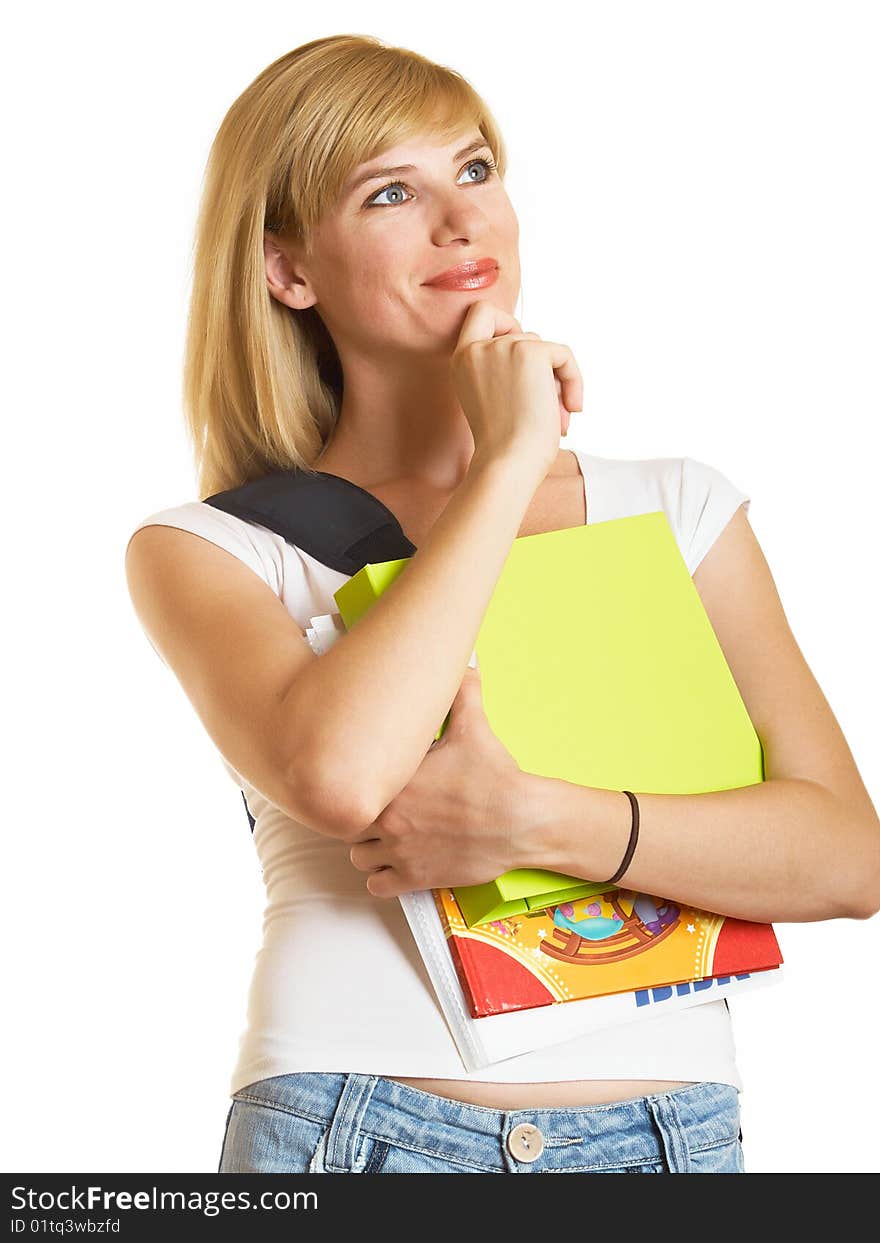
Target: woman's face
x,y
381,242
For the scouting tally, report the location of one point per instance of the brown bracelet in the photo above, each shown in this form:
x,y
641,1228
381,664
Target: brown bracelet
x,y
633,839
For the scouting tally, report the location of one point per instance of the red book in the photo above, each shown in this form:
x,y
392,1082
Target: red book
x,y
614,942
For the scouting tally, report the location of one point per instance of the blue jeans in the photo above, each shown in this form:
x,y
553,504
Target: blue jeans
x,y
318,1122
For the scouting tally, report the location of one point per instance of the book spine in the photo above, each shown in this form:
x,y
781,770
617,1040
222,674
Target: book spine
x,y
467,986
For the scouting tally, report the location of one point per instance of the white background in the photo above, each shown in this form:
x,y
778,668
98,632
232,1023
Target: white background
x,y
697,186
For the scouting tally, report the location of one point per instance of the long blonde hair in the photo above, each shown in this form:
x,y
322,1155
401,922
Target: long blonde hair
x,y
262,383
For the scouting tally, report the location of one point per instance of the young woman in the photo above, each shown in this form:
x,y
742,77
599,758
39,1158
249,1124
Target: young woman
x,y
355,276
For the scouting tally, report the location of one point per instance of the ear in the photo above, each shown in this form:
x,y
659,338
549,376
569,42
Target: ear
x,y
286,275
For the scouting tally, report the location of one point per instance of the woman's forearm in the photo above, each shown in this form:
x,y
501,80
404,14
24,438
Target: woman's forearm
x,y
780,850
361,718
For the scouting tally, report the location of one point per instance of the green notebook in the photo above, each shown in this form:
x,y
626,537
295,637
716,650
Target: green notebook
x,y
598,665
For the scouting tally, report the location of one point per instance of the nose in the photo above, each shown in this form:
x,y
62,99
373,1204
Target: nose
x,y
456,218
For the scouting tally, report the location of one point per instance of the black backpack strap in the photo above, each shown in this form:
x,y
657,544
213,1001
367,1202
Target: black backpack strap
x,y
332,519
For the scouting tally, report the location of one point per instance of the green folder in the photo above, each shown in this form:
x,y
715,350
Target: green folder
x,y
599,666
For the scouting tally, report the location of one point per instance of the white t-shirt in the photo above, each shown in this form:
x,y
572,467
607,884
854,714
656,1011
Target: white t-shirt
x,y
338,984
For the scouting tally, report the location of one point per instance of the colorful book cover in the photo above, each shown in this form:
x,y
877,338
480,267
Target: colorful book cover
x,y
494,1038
612,942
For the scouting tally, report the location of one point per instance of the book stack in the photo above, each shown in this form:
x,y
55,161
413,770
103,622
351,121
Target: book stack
x,y
599,666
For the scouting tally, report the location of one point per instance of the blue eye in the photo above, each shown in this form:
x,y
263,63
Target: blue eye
x,y
488,163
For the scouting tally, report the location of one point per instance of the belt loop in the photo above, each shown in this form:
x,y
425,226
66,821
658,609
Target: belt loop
x,y
673,1139
341,1139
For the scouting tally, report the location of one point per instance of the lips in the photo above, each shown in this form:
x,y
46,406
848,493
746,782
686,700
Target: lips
x,y
470,275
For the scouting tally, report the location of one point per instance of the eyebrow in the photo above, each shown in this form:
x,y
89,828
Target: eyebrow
x,y
374,173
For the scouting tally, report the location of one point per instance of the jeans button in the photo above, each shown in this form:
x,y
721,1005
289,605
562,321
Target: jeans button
x,y
525,1142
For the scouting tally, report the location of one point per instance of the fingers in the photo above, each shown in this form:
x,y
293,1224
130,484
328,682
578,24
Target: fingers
x,y
568,373
368,856
483,321
564,414
381,885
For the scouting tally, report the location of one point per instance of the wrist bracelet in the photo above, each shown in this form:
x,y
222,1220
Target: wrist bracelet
x,y
633,839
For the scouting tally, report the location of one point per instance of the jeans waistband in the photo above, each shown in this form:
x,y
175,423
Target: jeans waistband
x,y
645,1129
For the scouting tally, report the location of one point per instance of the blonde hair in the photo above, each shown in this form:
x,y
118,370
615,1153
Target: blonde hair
x,y
262,383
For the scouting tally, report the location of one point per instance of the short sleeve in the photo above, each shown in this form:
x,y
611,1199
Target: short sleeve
x,y
246,542
708,502
249,543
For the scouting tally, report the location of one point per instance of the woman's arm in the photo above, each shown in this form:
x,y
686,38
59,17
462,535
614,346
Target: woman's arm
x,y
374,742
363,716
802,845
